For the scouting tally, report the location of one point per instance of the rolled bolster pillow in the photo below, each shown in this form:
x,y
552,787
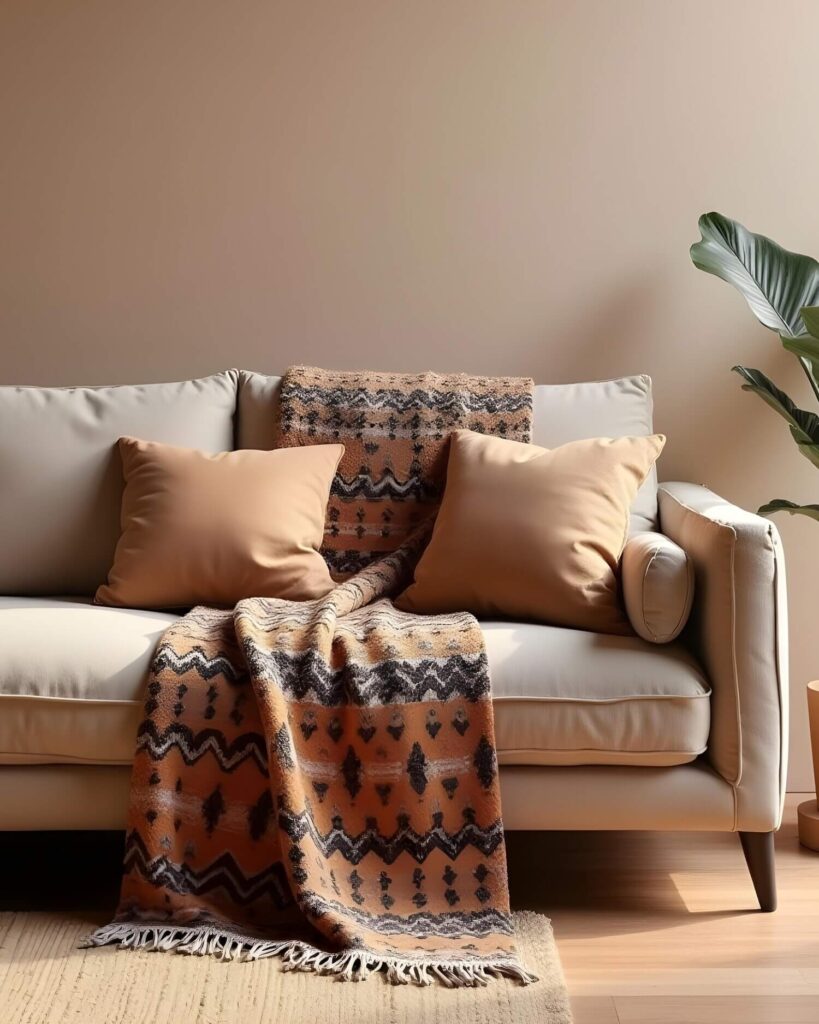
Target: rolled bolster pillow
x,y
658,586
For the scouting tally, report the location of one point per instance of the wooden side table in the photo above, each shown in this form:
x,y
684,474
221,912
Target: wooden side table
x,y
808,811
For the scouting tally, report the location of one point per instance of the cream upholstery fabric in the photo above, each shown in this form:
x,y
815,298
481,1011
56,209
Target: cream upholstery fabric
x,y
691,797
258,411
565,696
739,630
657,580
61,478
64,796
72,679
73,675
562,413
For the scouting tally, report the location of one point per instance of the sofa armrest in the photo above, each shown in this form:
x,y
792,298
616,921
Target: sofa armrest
x,y
738,629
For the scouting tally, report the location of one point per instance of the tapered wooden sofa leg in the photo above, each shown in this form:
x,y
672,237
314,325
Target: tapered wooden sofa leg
x,y
758,848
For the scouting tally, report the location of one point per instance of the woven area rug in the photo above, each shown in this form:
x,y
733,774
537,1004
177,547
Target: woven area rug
x,y
54,982
317,780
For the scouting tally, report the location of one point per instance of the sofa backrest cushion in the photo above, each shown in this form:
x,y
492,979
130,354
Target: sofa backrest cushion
x,y
562,413
257,419
60,474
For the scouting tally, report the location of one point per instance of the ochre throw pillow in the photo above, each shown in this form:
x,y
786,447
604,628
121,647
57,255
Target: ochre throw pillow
x,y
213,529
533,533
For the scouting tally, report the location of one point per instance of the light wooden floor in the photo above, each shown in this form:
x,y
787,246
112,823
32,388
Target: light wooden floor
x,y
662,929
651,928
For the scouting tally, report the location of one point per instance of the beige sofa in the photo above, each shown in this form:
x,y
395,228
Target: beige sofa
x,y
593,731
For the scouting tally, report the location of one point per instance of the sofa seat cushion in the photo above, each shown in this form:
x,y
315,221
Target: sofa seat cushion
x,y
568,697
72,678
72,681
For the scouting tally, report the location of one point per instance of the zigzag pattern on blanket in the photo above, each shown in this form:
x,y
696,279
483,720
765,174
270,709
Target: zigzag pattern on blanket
x,y
307,677
222,873
395,429
404,840
192,746
445,395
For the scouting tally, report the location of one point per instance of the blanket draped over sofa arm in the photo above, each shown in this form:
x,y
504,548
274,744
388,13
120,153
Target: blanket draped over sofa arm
x,y
738,629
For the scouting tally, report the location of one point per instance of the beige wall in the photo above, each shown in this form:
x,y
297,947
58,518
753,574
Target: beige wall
x,y
500,186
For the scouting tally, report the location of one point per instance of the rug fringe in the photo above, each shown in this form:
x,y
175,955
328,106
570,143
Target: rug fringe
x,y
348,965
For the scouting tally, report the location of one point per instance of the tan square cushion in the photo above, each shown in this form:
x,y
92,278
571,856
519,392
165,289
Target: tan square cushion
x,y
60,475
531,533
213,529
622,407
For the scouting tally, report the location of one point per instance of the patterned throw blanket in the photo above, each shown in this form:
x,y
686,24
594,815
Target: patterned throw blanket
x,y
395,430
318,781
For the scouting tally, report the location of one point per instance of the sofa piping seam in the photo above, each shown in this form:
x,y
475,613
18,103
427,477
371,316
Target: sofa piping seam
x,y
595,750
501,750
602,700
115,702
121,702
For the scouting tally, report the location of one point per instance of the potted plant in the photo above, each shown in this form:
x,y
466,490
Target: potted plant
x,y
782,290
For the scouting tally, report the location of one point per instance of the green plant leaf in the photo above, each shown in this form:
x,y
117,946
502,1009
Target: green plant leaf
x,y
775,283
807,349
804,425
810,318
780,505
810,451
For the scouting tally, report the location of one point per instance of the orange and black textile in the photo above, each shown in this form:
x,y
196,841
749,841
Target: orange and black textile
x,y
318,781
395,428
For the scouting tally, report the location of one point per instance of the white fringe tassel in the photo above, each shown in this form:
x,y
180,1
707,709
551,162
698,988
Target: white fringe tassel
x,y
348,965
